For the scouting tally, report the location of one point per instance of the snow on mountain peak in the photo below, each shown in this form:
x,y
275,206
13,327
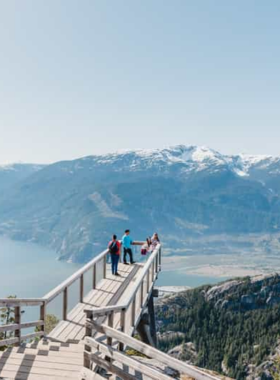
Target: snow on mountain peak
x,y
7,167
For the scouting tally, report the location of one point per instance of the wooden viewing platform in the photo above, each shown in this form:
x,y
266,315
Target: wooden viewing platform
x,y
94,334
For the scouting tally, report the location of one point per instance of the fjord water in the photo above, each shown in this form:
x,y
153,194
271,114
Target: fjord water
x,y
29,270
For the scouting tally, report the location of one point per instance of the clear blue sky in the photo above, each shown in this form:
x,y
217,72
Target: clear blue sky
x,y
90,76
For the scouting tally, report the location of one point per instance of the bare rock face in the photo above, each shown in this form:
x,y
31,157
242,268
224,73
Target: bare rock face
x,y
221,290
185,352
170,371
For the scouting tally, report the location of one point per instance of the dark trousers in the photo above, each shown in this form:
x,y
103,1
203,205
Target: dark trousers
x,y
114,261
129,252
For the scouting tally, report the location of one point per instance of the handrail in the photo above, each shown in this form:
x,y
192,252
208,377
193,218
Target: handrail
x,y
151,352
13,302
69,281
125,305
144,273
17,303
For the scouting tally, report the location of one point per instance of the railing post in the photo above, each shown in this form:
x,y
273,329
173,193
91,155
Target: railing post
x,y
133,307
148,280
43,315
153,271
88,332
94,277
18,321
82,288
141,294
159,258
104,267
157,264
110,324
65,304
122,326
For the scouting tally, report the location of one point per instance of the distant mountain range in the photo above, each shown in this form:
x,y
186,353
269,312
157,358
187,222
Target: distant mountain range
x,y
183,191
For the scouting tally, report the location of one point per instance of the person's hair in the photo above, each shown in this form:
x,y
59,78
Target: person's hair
x,y
155,236
114,237
127,231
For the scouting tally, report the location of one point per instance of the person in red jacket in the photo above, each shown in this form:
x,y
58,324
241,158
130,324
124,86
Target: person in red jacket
x,y
114,249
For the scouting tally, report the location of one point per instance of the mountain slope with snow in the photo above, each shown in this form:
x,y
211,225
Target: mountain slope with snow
x,y
74,206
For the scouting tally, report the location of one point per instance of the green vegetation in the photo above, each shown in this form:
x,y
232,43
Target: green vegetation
x,y
276,372
50,322
234,336
6,317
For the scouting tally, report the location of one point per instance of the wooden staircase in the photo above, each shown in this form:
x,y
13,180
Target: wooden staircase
x,y
42,360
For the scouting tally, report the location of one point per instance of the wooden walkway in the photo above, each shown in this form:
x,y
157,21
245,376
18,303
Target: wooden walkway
x,y
94,334
110,291
60,354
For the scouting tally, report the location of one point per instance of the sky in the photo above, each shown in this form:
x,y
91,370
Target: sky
x,y
93,76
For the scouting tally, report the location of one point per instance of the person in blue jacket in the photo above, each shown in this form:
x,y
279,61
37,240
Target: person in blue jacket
x,y
126,243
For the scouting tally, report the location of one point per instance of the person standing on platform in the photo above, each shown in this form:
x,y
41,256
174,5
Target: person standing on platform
x,y
154,241
126,242
114,249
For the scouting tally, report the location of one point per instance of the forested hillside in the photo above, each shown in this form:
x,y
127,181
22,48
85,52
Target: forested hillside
x,y
232,328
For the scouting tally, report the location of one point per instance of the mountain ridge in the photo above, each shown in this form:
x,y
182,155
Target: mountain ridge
x,y
173,154
74,206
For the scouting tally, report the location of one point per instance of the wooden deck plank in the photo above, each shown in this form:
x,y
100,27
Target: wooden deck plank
x,y
76,315
39,371
72,313
102,297
54,346
78,360
41,364
75,324
43,352
119,290
11,375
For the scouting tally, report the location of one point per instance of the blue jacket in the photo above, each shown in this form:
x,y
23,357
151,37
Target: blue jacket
x,y
126,241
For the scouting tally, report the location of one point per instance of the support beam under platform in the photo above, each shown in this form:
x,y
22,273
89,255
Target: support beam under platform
x,y
147,325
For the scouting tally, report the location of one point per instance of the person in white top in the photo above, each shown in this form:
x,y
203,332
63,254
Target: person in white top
x,y
155,241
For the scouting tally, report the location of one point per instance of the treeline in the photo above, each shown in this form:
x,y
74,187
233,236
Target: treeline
x,y
235,338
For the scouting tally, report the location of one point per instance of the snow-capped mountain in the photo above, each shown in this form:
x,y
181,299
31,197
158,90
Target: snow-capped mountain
x,y
180,191
184,159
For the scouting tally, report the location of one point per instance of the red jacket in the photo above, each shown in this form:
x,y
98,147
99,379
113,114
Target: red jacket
x,y
118,245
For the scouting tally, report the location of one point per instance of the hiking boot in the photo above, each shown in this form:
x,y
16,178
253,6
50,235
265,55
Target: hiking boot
x,y
117,274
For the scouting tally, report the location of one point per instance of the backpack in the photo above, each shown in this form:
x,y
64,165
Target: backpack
x,y
113,248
